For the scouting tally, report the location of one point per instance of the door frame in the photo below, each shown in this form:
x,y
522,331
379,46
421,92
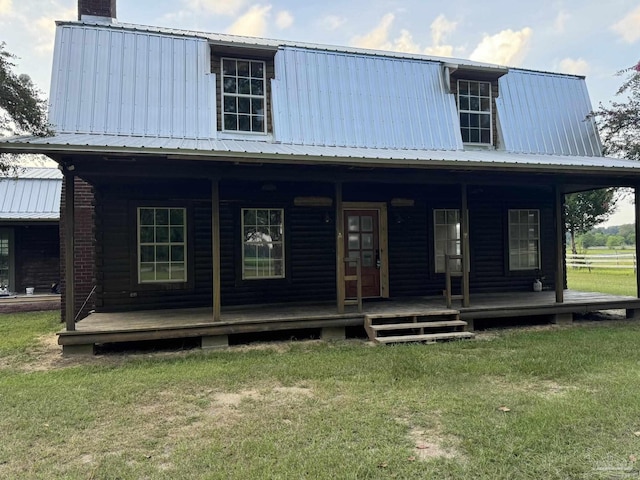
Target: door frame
x,y
381,208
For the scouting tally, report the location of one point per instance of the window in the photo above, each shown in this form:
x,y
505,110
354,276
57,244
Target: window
x,y
262,243
162,245
524,239
243,95
5,260
474,106
447,238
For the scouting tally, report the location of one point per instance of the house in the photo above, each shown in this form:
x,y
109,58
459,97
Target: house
x,y
29,236
247,185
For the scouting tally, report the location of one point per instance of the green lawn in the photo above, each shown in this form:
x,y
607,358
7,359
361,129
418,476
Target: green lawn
x,y
326,410
614,281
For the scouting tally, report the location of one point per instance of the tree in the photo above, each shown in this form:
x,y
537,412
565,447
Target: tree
x,y
619,122
585,210
22,110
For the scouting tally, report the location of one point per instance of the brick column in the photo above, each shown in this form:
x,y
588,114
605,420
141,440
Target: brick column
x,y
84,255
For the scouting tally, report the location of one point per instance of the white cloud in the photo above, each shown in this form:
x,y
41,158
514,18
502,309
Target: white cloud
x,y
6,7
561,21
333,22
217,7
504,48
253,23
441,28
43,29
284,19
629,26
577,66
378,38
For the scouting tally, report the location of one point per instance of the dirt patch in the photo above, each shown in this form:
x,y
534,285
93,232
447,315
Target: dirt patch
x,y
430,442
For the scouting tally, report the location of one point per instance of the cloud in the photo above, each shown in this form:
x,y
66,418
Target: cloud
x,y
441,28
216,7
577,66
504,48
378,38
43,29
6,7
332,22
253,23
560,22
629,26
284,19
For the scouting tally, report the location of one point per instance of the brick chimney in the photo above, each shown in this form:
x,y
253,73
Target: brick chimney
x,y
97,10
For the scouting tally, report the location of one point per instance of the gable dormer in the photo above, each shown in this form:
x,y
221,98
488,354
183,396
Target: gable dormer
x,y
243,96
475,89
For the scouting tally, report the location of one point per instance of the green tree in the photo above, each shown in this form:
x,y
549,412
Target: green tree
x,y
615,241
22,109
619,122
585,210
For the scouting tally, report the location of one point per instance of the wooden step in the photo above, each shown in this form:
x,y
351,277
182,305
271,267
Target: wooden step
x,y
409,325
424,313
427,337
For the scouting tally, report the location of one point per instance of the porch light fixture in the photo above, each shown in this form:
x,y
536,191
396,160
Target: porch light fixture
x,y
326,218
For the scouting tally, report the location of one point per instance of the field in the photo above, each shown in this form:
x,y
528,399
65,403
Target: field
x,y
617,281
546,402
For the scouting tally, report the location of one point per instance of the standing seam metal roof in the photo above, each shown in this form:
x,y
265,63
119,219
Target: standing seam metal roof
x,y
33,195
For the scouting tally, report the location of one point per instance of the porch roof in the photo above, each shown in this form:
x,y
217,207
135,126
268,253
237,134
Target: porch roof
x,y
34,195
268,151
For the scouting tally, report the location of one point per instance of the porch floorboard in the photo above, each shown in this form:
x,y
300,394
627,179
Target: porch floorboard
x,y
100,328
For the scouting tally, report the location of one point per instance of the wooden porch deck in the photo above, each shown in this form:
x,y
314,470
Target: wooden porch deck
x,y
100,328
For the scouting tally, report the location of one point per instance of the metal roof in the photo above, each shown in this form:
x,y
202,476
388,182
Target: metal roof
x,y
338,99
117,81
33,195
211,149
545,113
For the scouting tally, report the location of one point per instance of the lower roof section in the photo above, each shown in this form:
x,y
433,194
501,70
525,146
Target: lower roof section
x,y
263,151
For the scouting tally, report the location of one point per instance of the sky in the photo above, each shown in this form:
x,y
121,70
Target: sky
x,y
594,38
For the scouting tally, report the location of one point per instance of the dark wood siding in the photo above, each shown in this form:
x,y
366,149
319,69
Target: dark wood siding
x,y
309,240
37,257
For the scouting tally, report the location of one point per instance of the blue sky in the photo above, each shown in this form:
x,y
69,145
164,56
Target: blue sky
x,y
594,38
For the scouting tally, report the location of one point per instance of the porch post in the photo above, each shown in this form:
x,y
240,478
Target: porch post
x,y
559,224
340,287
215,244
466,261
636,192
69,250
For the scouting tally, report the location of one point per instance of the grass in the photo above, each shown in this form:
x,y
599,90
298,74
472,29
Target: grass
x,y
615,281
326,410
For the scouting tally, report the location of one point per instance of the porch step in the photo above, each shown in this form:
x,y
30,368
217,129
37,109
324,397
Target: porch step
x,y
417,326
427,337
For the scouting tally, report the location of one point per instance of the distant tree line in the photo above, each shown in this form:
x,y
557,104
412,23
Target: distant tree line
x,y
619,236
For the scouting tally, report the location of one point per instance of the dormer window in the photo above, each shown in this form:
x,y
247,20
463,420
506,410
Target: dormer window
x,y
243,95
474,107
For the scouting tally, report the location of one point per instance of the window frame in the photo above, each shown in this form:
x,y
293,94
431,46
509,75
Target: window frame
x,y
437,254
249,96
478,112
282,242
169,244
510,228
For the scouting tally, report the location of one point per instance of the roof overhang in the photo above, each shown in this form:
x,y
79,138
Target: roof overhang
x,y
241,151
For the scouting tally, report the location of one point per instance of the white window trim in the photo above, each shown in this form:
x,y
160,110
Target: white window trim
x,y
139,245
483,144
435,240
238,95
539,253
281,242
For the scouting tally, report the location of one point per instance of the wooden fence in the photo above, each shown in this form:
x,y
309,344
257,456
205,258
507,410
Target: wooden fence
x,y
614,260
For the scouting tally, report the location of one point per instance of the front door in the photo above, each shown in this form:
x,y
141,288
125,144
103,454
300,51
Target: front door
x,y
362,240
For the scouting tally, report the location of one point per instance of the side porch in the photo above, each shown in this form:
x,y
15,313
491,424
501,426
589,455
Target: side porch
x,y
151,325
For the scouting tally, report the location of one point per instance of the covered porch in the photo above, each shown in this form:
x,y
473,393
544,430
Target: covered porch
x,y
135,326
